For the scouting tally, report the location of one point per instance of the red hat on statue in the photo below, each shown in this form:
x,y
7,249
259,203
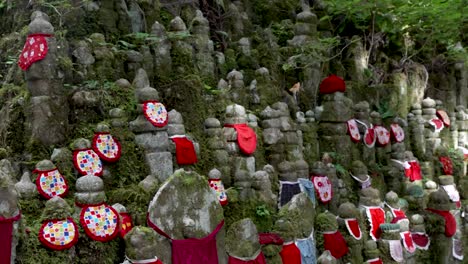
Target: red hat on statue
x,y
332,84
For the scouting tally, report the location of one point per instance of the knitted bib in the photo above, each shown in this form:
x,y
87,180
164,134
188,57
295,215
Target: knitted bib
x,y
125,224
106,147
51,183
397,133
442,115
87,162
59,234
100,222
437,124
382,136
217,186
407,240
353,227
353,130
323,187
35,49
421,240
376,217
156,113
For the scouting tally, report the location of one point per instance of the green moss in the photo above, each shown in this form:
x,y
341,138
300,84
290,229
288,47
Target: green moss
x,y
262,215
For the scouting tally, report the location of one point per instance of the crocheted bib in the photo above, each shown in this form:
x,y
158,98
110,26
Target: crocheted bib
x,y
59,234
396,250
100,222
156,113
353,130
353,228
382,136
457,248
437,124
447,165
421,240
376,217
51,183
87,162
185,150
106,147
125,224
217,186
369,137
323,187
35,49
335,243
442,115
397,133
407,240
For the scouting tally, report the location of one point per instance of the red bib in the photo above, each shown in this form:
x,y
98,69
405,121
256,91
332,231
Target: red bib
x,y
450,222
6,236
376,217
421,240
408,241
246,138
369,137
353,228
353,130
125,224
415,171
269,238
332,84
258,259
447,166
51,183
437,124
106,147
155,112
100,222
290,254
35,49
382,136
335,243
59,234
185,151
442,115
323,187
397,133
397,214
375,261
87,162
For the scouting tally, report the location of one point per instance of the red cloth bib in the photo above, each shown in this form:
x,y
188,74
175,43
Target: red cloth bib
x,y
353,130
35,49
323,187
437,124
353,228
106,147
397,133
185,151
125,224
59,234
376,217
156,113
6,236
259,259
270,238
290,254
332,84
382,136
421,240
369,137
246,138
450,222
375,261
408,241
415,171
335,243
442,115
87,162
192,250
51,183
447,165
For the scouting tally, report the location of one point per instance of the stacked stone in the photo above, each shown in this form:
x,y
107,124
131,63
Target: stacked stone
x,y
333,130
203,46
49,106
363,114
416,131
118,118
283,140
382,152
242,241
432,138
154,140
25,188
462,124
396,170
176,127
217,146
242,166
182,50
161,49
356,245
106,65
238,92
310,143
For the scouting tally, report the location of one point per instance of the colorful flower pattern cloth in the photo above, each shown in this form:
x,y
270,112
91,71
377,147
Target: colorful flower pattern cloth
x,y
353,130
397,133
59,234
156,113
217,186
106,147
35,49
382,136
51,183
447,165
100,222
323,187
87,162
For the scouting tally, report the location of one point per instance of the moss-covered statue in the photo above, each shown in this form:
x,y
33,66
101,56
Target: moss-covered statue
x,y
331,239
352,228
242,243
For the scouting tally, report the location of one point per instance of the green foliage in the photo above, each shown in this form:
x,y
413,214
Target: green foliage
x,y
385,111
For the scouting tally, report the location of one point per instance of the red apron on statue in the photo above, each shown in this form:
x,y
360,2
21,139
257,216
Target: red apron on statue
x,y
185,151
35,49
246,138
6,236
335,243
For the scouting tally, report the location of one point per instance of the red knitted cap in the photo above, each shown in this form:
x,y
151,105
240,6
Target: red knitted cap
x,y
332,84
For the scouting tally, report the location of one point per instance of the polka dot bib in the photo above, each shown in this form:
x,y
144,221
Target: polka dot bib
x,y
35,49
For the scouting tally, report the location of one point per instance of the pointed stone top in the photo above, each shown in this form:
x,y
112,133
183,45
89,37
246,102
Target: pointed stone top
x,y
40,23
175,117
25,188
56,208
158,29
177,24
141,79
199,19
81,143
45,165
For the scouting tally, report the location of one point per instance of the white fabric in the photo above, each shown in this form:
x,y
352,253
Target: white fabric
x,y
396,250
452,192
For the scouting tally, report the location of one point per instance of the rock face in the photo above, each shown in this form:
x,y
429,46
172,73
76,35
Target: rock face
x,y
185,207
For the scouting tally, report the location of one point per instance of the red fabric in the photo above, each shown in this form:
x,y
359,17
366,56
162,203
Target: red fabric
x,y
6,235
421,240
437,124
447,165
415,171
398,215
353,130
185,151
382,136
50,188
270,238
376,217
35,49
51,240
246,138
369,137
408,241
260,259
442,115
193,250
375,261
87,161
450,222
336,244
290,254
323,188
397,132
104,230
332,84
154,262
106,146
353,227
125,224
156,113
